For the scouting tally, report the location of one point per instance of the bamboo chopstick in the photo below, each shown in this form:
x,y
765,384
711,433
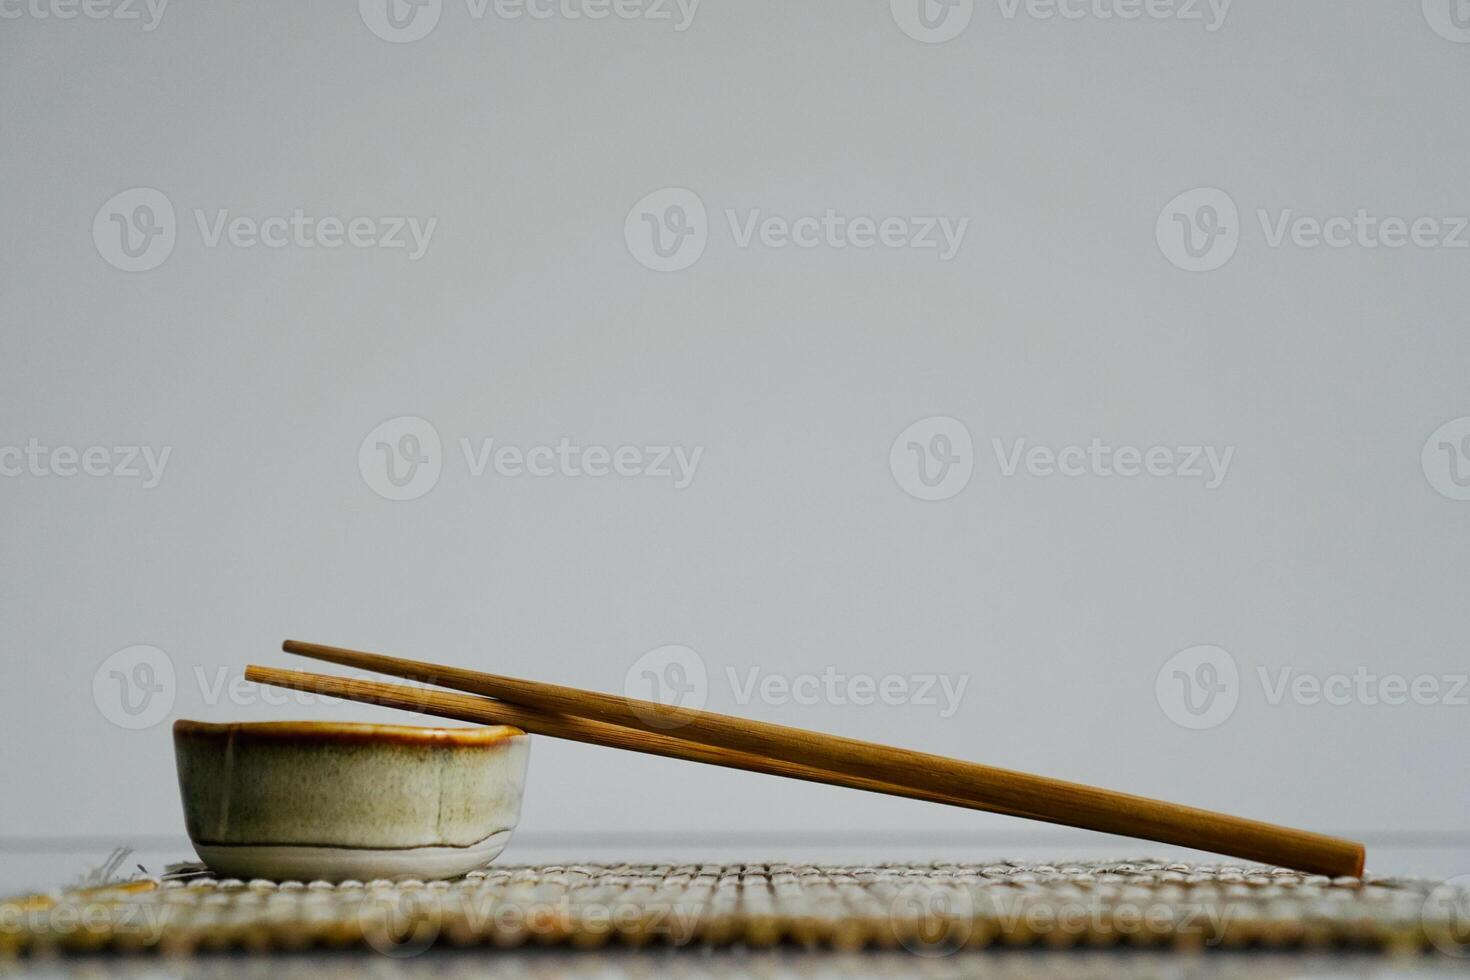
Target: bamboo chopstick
x,y
472,707
1053,800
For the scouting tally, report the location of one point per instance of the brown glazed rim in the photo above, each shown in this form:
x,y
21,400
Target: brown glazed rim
x,y
339,732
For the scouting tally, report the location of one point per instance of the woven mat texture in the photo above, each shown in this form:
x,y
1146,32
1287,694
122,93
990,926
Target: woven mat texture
x,y
930,909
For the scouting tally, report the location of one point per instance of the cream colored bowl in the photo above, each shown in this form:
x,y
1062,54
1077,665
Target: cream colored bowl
x,y
333,801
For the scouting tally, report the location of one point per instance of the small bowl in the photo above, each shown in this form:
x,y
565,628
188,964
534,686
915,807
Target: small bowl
x,y
332,801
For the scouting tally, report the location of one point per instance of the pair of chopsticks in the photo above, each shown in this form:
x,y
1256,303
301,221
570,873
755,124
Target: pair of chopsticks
x,y
743,743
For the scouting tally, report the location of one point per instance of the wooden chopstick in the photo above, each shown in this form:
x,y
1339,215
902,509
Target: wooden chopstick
x,y
1054,800
485,711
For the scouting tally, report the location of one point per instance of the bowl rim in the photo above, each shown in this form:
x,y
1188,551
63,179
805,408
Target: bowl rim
x,y
346,731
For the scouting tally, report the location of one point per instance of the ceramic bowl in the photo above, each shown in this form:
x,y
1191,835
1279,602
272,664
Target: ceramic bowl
x,y
333,801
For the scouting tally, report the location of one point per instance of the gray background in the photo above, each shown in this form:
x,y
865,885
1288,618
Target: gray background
x,y
795,549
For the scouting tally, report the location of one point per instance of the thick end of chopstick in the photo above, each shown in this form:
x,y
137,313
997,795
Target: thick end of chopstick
x,y
663,718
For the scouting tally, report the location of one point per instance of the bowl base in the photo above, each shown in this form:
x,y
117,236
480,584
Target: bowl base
x,y
304,862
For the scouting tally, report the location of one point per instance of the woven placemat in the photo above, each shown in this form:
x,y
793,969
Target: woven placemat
x,y
929,909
